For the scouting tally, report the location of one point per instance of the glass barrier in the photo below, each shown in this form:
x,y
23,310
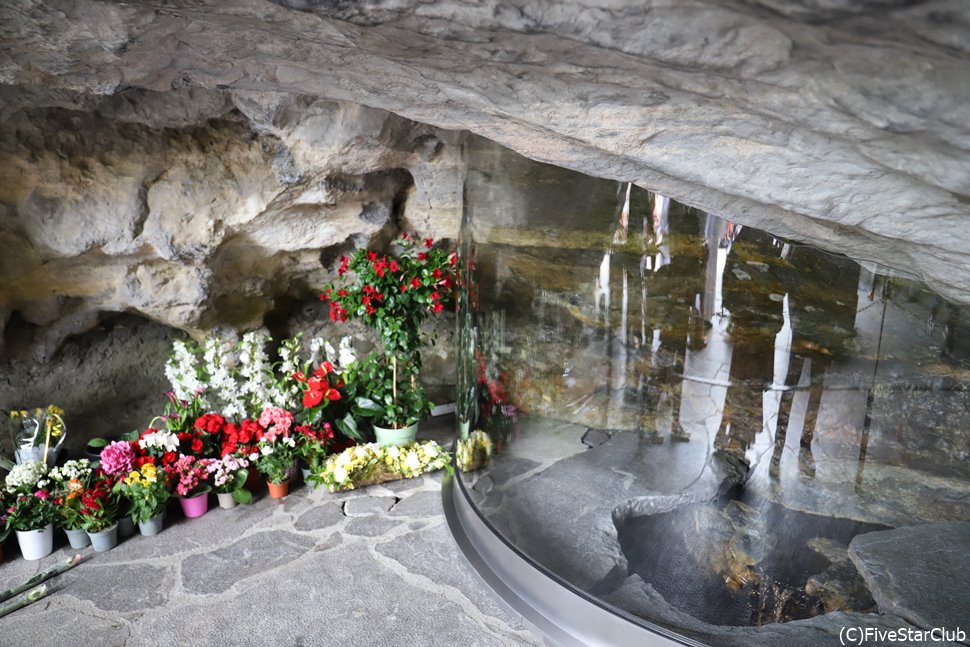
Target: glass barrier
x,y
702,425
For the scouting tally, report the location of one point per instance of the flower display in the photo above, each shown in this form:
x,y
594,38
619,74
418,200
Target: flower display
x,y
99,506
371,463
276,422
474,452
312,444
117,458
228,475
188,475
146,491
68,482
392,295
30,503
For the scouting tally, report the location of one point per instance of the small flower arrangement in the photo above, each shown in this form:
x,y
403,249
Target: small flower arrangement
x,y
311,444
31,506
474,452
188,476
99,505
158,447
229,475
146,491
369,464
69,482
274,459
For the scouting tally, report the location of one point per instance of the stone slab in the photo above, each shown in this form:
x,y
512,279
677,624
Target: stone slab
x,y
918,572
369,506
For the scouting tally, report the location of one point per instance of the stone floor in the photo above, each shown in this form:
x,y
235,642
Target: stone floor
x,y
371,567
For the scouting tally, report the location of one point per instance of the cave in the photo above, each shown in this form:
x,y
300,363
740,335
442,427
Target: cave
x,y
716,257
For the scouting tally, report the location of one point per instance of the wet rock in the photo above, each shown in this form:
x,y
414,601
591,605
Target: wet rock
x,y
595,437
915,572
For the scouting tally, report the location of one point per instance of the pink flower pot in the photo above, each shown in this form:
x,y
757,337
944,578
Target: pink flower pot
x,y
195,506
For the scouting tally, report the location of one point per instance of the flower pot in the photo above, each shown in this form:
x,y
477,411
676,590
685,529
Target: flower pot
x,y
278,490
1,552
225,500
464,428
126,527
195,506
77,538
104,540
35,544
153,526
388,437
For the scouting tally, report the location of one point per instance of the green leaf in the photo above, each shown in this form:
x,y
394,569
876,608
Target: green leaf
x,y
369,407
98,443
242,496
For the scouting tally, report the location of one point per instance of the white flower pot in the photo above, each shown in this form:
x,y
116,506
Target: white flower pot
x,y
35,544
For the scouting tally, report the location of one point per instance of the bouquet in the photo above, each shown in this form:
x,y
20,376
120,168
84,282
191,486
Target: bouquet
x,y
38,434
31,506
146,491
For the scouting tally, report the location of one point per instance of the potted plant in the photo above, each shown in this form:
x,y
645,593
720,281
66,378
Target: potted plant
x,y
100,509
188,476
117,460
312,446
69,481
229,475
394,410
146,491
394,295
276,450
31,509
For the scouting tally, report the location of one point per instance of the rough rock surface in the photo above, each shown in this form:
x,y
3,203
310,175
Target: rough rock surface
x,y
917,572
198,208
839,122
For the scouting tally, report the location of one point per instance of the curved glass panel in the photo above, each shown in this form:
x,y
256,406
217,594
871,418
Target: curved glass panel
x,y
703,425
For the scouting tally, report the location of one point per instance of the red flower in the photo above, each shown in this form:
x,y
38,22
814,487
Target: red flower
x,y
169,457
144,460
435,296
438,307
422,256
197,445
371,256
415,283
299,376
371,309
436,273
312,398
428,242
333,394
405,236
344,263
322,370
404,287
393,266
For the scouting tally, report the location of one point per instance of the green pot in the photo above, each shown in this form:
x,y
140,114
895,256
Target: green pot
x,y
389,437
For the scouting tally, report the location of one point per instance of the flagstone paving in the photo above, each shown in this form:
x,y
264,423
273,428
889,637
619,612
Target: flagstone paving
x,y
370,567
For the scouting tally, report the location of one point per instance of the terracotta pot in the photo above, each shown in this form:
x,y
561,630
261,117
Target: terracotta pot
x,y
278,490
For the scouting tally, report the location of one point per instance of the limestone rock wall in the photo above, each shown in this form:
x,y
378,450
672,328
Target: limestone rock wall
x,y
844,123
197,208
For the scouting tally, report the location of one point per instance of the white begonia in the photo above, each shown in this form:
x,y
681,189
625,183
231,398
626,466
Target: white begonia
x,y
73,469
266,450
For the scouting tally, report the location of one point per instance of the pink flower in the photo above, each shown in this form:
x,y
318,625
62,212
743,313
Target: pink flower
x,y
117,458
277,423
42,494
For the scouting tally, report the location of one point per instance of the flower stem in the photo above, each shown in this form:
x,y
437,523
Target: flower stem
x,y
28,599
43,576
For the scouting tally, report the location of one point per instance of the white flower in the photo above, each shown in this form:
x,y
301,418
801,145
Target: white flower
x,y
412,461
340,475
254,456
26,475
347,354
393,451
266,450
430,451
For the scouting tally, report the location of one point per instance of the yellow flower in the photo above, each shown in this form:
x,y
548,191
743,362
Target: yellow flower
x,y
150,472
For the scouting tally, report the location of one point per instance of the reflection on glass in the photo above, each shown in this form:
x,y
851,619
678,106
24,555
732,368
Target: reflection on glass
x,y
691,419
